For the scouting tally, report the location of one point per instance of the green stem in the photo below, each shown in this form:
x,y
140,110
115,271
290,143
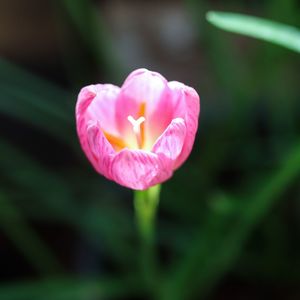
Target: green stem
x,y
145,204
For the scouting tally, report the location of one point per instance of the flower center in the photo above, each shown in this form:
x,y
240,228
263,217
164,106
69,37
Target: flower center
x,y
138,129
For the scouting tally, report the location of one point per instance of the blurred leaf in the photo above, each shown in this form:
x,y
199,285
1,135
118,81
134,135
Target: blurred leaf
x,y
26,240
55,196
285,269
116,228
274,32
283,11
69,289
48,187
37,102
221,240
87,20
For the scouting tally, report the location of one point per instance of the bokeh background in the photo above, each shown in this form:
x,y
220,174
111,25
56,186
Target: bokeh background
x,y
229,220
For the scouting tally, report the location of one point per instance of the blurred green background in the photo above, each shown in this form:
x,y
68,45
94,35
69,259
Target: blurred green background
x,y
229,220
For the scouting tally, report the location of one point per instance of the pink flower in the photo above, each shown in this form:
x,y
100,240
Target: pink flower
x,y
137,135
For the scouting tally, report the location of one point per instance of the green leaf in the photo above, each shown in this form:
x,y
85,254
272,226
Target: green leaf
x,y
15,226
93,32
50,188
274,32
69,289
219,243
53,195
30,99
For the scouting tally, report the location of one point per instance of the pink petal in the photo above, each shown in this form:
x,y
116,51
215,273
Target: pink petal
x,y
85,97
192,110
85,117
99,150
97,103
103,107
144,85
139,170
171,106
171,142
141,86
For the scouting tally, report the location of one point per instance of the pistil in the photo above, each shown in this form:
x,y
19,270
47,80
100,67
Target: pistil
x,y
136,126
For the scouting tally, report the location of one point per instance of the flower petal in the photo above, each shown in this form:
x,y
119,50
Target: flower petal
x,y
171,142
103,107
170,106
99,151
95,105
85,97
141,86
192,110
139,170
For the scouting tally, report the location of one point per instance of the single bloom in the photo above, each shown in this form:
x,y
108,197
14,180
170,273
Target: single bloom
x,y
137,135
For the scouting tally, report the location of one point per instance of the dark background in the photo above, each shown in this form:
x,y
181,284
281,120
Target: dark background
x,y
228,223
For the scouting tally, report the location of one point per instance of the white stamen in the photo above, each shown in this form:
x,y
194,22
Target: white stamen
x,y
136,126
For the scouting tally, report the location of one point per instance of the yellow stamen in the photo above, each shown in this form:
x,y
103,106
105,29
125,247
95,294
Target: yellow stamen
x,y
141,113
116,142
